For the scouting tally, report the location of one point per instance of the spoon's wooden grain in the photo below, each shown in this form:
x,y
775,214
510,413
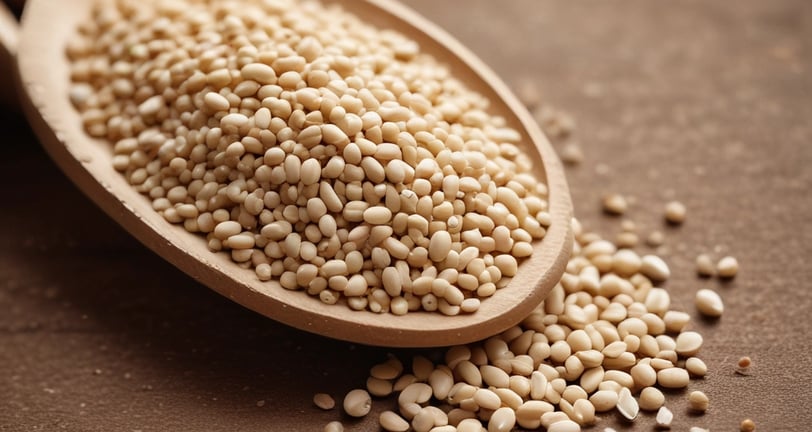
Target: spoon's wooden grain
x,y
44,79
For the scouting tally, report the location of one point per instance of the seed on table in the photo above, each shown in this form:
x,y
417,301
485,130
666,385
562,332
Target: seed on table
x,y
688,343
334,426
697,429
698,401
675,212
651,399
654,268
324,401
572,154
357,403
604,400
696,367
705,266
709,303
664,418
392,422
727,267
673,377
747,425
655,239
744,362
615,204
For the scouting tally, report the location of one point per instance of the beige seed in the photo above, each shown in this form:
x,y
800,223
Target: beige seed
x,y
528,414
216,102
626,404
378,387
709,303
696,367
688,343
664,418
698,401
502,420
487,399
727,267
572,154
675,321
324,401
675,212
654,268
470,425
440,246
705,266
651,399
604,400
644,375
392,422
378,216
697,429
672,377
357,403
564,426
334,426
747,425
615,204
655,239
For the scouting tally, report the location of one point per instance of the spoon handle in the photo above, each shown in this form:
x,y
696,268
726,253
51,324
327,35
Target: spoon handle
x,y
9,27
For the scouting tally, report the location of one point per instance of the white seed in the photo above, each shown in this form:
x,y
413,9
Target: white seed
x,y
688,343
664,418
626,404
324,401
672,377
392,422
705,266
604,400
615,204
334,426
696,367
727,267
709,303
675,212
564,426
502,420
357,403
698,401
651,399
654,268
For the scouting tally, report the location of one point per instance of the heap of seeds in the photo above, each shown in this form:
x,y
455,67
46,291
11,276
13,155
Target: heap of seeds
x,y
605,339
320,151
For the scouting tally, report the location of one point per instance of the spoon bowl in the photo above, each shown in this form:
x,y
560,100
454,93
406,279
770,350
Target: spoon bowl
x,y
45,82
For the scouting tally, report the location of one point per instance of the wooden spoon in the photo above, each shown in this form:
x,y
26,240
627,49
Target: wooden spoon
x,y
44,75
8,49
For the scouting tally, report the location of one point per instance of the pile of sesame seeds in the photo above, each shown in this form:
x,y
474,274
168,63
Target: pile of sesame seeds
x,y
322,152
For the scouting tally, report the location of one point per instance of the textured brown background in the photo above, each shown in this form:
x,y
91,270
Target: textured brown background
x,y
707,102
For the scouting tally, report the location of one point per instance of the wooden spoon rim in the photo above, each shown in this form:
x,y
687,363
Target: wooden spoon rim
x,y
46,25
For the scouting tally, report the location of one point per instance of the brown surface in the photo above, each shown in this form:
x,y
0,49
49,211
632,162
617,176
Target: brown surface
x,y
705,102
87,162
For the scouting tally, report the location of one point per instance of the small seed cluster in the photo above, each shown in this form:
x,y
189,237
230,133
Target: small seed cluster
x,y
605,339
320,151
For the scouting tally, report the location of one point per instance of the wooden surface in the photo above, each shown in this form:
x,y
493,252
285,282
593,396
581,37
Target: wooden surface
x,y
88,163
707,102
